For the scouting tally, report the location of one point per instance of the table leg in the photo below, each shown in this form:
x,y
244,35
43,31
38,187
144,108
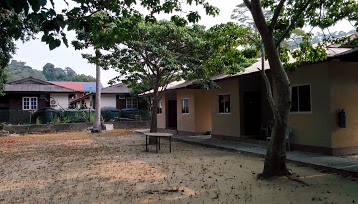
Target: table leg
x,y
159,143
156,145
170,144
146,143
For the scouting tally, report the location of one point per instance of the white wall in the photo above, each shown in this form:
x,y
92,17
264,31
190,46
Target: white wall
x,y
61,100
108,100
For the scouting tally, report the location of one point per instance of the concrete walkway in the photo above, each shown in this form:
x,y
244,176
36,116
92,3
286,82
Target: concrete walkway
x,y
339,164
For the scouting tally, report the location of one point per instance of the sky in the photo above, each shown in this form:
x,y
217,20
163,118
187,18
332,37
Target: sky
x,y
36,53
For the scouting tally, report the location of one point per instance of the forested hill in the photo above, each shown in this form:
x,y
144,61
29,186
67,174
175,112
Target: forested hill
x,y
18,70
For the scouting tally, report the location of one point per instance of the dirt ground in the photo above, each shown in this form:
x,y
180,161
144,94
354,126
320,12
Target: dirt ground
x,y
113,167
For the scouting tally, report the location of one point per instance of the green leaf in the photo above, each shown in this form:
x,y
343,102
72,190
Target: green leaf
x,y
35,5
60,21
45,38
43,2
54,44
193,17
129,2
64,39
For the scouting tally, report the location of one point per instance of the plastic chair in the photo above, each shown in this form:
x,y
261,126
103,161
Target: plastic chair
x,y
266,128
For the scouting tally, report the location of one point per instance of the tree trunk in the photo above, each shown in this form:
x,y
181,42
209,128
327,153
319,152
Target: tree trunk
x,y
154,118
275,160
97,116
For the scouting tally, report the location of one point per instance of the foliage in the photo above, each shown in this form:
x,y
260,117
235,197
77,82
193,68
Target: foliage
x,y
20,20
38,121
307,53
18,70
162,52
56,120
108,115
75,116
68,74
151,55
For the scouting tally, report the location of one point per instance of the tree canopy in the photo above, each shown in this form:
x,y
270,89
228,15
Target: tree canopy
x,y
20,20
157,53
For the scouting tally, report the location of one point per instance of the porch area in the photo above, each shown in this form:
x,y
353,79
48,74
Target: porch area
x,y
347,165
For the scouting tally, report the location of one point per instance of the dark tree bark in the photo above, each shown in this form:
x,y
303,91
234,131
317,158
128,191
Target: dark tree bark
x,y
154,123
275,160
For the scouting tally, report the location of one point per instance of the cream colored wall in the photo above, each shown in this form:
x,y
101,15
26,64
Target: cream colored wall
x,y
88,102
161,117
199,118
186,122
61,100
226,124
203,117
108,100
344,95
312,128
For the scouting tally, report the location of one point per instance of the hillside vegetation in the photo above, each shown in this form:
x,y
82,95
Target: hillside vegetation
x,y
18,70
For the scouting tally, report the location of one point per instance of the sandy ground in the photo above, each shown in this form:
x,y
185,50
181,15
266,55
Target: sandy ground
x,y
113,167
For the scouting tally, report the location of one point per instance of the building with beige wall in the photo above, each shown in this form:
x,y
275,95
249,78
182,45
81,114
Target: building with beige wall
x,y
186,110
319,92
239,108
333,87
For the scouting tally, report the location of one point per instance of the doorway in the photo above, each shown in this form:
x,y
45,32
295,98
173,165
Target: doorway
x,y
172,114
252,113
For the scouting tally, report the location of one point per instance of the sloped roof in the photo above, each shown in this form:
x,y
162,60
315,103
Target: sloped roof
x,y
30,80
114,89
35,85
78,86
117,88
332,52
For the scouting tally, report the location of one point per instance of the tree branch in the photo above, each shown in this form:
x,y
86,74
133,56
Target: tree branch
x,y
248,4
269,96
292,23
276,14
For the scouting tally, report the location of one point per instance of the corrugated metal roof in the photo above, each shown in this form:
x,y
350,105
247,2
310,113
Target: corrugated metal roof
x,y
29,80
31,84
117,88
255,67
78,86
36,88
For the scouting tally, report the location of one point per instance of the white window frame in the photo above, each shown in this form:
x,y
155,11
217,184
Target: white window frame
x,y
182,108
224,104
160,107
298,98
29,106
131,102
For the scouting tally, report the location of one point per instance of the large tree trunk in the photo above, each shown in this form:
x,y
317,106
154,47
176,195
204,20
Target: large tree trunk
x,y
154,118
275,161
97,116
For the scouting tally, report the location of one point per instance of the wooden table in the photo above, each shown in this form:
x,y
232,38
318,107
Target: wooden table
x,y
157,136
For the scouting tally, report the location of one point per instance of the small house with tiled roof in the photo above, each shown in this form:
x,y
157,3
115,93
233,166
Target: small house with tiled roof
x,y
116,96
31,94
81,88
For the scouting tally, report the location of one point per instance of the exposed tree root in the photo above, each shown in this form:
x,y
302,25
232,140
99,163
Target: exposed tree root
x,y
297,180
266,175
